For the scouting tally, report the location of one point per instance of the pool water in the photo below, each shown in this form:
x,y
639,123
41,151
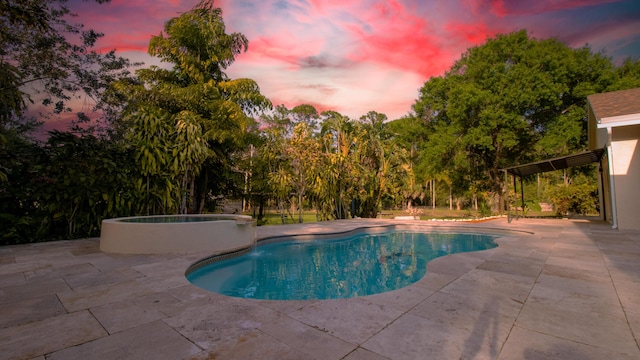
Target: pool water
x,y
352,266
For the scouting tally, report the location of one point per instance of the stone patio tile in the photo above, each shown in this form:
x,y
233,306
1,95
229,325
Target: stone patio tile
x,y
623,267
210,325
30,310
99,295
582,246
85,247
626,275
364,354
532,248
577,274
52,334
254,345
352,320
482,284
629,294
164,275
161,283
619,246
467,314
178,300
193,293
576,295
581,264
60,272
402,299
12,279
107,261
124,315
166,267
6,258
286,306
531,345
457,264
515,266
633,317
187,296
47,261
154,340
434,281
8,250
311,341
98,278
413,337
22,267
31,290
601,330
163,302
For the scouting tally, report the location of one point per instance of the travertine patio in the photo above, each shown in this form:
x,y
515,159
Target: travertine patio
x,y
570,290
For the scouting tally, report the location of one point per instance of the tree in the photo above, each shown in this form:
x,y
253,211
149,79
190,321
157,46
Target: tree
x,y
205,113
302,150
305,113
412,133
502,104
380,162
335,184
45,58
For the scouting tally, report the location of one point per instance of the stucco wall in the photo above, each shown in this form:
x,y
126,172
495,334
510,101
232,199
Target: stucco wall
x,y
626,175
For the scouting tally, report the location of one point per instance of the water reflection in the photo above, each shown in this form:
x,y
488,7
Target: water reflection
x,y
328,269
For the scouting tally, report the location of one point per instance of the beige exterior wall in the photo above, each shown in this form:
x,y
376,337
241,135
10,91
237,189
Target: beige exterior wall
x,y
605,187
625,158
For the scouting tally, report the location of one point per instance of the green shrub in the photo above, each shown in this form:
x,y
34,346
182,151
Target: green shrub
x,y
578,199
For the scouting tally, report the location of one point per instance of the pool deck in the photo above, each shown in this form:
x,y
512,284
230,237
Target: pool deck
x,y
570,290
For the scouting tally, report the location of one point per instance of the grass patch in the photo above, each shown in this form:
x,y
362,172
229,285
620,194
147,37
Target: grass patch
x,y
272,217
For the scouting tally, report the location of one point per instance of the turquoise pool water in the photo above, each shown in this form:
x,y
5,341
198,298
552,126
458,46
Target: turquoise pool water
x,y
352,266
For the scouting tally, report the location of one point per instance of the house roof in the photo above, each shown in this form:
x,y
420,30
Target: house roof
x,y
616,108
558,163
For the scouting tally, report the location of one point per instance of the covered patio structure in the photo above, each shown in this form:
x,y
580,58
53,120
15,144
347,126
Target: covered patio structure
x,y
558,163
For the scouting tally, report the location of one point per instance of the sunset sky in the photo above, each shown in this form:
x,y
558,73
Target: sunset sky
x,y
357,56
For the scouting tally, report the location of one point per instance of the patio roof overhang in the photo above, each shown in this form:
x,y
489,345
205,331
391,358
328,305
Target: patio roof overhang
x,y
558,163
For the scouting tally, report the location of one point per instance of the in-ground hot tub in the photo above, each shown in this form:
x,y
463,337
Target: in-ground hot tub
x,y
174,234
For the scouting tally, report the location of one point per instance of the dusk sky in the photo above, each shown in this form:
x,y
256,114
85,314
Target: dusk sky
x,y
356,56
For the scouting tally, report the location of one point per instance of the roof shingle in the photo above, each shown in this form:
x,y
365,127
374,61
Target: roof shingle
x,y
615,103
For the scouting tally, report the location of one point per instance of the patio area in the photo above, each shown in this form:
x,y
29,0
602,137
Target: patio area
x,y
566,289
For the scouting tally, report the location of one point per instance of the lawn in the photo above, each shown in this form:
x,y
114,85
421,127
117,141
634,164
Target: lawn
x,y
273,217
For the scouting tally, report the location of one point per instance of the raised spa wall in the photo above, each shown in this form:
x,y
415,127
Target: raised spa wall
x,y
212,233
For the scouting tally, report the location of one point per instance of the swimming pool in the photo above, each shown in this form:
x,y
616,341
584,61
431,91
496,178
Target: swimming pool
x,y
349,266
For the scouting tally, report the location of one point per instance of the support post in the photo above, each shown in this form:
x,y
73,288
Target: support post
x,y
506,196
522,194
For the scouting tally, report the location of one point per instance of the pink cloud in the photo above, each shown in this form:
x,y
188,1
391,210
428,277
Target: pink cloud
x,y
471,34
398,39
503,8
128,25
353,56
281,48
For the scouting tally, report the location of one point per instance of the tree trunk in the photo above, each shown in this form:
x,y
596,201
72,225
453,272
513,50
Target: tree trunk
x,y
300,208
202,198
433,194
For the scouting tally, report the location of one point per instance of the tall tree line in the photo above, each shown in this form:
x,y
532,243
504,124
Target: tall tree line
x,y
338,166
513,100
174,139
